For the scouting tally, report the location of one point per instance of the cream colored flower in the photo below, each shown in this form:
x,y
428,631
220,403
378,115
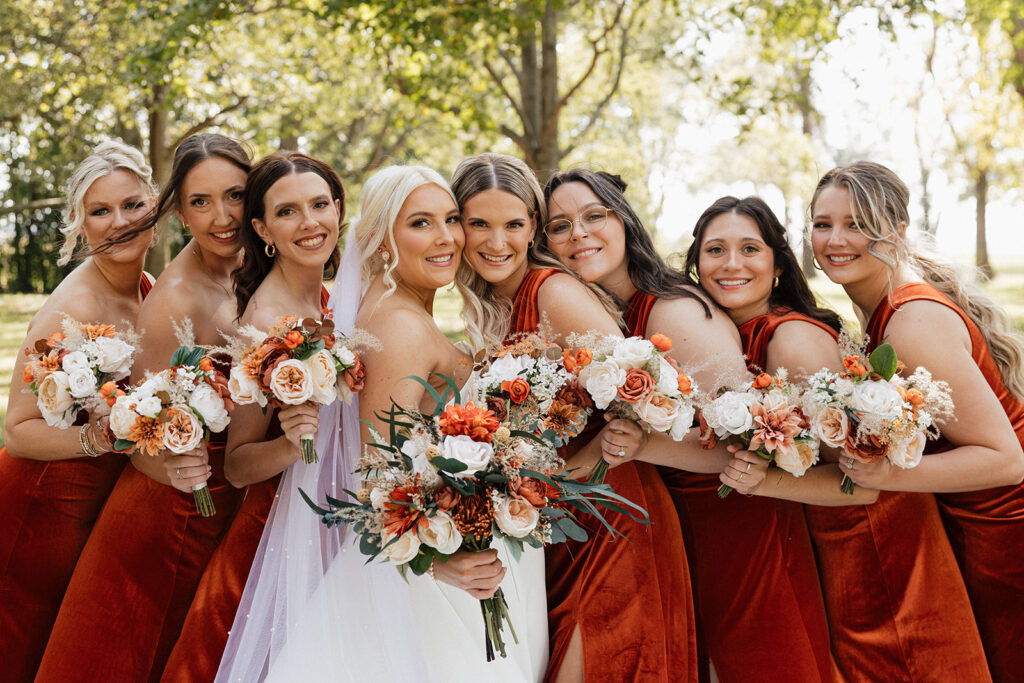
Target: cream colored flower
x,y
291,382
441,533
210,405
245,389
54,393
602,380
321,367
515,517
404,549
831,425
122,417
798,458
182,432
909,454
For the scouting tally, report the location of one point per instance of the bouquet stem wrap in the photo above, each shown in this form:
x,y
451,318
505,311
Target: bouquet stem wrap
x,y
309,455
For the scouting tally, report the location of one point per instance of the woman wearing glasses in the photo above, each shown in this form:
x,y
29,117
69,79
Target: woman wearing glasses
x,y
616,611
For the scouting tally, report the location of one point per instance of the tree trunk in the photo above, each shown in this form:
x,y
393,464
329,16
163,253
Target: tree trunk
x,y
160,158
806,110
548,155
981,243
289,137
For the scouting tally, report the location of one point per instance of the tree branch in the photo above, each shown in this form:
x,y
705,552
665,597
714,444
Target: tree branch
x,y
210,120
500,82
31,205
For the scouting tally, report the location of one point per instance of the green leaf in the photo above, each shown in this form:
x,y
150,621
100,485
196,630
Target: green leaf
x,y
123,445
883,361
179,356
421,563
310,503
450,465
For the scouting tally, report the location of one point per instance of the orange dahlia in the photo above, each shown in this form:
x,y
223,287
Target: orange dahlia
x,y
400,515
478,424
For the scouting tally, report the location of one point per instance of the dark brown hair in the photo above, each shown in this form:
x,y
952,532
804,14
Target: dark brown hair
x,y
255,263
792,292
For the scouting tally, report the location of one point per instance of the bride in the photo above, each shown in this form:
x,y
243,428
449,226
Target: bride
x,y
363,621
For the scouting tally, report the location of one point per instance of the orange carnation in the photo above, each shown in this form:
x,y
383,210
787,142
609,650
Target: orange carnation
x,y
662,342
763,381
293,339
517,389
478,424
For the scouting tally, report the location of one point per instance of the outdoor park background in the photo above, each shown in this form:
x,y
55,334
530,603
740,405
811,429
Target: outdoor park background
x,y
687,100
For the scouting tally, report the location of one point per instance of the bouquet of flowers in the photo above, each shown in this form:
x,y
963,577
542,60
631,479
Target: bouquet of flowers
x,y
872,412
297,361
634,379
458,479
767,417
175,409
77,368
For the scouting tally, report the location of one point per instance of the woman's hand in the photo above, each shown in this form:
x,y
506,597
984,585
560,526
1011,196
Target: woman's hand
x,y
188,469
745,472
299,420
477,573
621,440
875,475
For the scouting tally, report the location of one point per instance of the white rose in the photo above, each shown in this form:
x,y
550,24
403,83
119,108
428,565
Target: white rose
x,y
154,384
54,394
245,389
210,405
909,454
122,417
421,465
668,378
59,420
379,496
659,412
878,398
475,454
149,406
633,352
292,382
114,356
730,413
602,380
441,533
82,383
798,458
507,368
683,422
321,367
344,355
515,517
76,361
404,549
182,431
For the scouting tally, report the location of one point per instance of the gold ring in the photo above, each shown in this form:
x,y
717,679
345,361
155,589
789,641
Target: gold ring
x,y
740,478
849,463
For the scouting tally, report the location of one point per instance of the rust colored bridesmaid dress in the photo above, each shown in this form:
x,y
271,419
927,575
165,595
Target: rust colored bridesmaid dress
x,y
631,597
47,510
985,528
882,567
755,579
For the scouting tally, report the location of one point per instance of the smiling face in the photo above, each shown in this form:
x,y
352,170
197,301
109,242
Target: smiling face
x,y
498,231
111,204
429,238
598,254
210,204
736,266
300,219
839,244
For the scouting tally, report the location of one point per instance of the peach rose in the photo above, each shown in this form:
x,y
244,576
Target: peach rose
x,y
868,449
832,426
529,490
291,382
638,385
182,431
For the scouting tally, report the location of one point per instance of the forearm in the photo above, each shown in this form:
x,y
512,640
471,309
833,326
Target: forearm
x,y
252,463
820,485
33,439
687,454
581,463
967,468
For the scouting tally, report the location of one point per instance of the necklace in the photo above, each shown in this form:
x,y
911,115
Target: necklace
x,y
209,275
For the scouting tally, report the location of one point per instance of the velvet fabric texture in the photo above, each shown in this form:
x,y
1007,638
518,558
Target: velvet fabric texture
x,y
47,509
630,598
753,572
881,566
985,528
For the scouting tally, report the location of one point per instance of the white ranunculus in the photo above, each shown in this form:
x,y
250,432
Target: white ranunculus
x,y
122,417
515,517
245,389
730,413
908,454
114,356
344,355
292,382
149,406
82,383
668,378
877,397
602,380
76,361
421,465
404,549
683,422
182,430
475,454
507,368
658,411
633,352
321,366
54,393
210,405
441,533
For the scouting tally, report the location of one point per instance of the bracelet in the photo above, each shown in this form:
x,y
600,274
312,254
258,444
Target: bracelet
x,y
87,447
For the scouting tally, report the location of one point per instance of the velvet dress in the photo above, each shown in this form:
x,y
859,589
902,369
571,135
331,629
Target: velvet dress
x,y
47,509
630,597
755,580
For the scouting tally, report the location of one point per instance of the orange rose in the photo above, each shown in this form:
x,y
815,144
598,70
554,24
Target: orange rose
x,y
708,438
568,360
662,342
446,498
206,365
529,490
762,381
638,386
355,376
573,394
867,449
329,341
685,384
28,373
915,397
583,358
517,389
293,339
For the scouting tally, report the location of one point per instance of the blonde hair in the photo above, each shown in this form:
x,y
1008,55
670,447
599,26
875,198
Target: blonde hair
x,y
109,156
879,200
487,313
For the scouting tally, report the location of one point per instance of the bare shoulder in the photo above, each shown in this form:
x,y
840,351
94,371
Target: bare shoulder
x,y
685,320
801,332
802,346
944,326
570,306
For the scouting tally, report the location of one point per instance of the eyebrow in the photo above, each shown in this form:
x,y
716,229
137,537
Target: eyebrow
x,y
133,198
314,199
582,209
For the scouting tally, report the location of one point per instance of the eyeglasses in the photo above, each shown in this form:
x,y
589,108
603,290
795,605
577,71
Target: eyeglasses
x,y
591,220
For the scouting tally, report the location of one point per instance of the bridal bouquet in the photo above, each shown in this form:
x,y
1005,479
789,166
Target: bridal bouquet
x,y
461,477
175,409
634,379
872,412
297,361
76,369
767,417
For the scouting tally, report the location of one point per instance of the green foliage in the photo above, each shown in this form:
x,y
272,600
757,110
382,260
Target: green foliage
x,y
883,361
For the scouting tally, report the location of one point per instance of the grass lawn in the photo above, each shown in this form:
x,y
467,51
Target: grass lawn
x,y
17,309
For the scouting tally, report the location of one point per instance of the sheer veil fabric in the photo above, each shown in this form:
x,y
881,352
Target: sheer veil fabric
x,y
313,606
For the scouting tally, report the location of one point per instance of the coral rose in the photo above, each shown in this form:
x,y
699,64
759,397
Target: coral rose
x,y
518,389
638,385
530,490
293,339
867,449
661,342
762,381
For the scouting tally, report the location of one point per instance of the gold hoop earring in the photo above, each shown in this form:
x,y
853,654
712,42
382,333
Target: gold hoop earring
x,y
776,283
270,250
814,264
185,228
530,245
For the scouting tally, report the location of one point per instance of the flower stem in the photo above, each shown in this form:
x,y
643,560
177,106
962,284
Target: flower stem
x,y
847,485
204,501
598,472
309,455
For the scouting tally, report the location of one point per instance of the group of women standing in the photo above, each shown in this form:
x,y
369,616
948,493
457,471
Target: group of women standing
x,y
109,574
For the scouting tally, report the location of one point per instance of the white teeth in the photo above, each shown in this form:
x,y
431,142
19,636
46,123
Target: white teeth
x,y
732,283
841,259
439,259
312,241
495,259
226,235
585,252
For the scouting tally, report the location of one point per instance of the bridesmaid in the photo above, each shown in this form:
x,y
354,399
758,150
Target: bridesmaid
x,y
752,562
50,495
149,540
859,222
596,583
292,214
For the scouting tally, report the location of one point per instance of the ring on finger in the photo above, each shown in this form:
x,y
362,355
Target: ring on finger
x,y
748,468
178,470
849,463
740,478
622,452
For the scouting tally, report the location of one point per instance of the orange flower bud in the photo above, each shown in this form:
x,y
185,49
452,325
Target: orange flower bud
x,y
206,365
54,339
762,381
685,384
660,341
569,360
293,339
915,397
28,373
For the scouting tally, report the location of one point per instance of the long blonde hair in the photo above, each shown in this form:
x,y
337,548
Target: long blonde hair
x,y
879,200
487,313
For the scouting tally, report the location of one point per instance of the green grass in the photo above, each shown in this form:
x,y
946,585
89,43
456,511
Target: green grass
x,y
16,310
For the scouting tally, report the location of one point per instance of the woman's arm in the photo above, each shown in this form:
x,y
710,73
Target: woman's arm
x,y
249,457
750,474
